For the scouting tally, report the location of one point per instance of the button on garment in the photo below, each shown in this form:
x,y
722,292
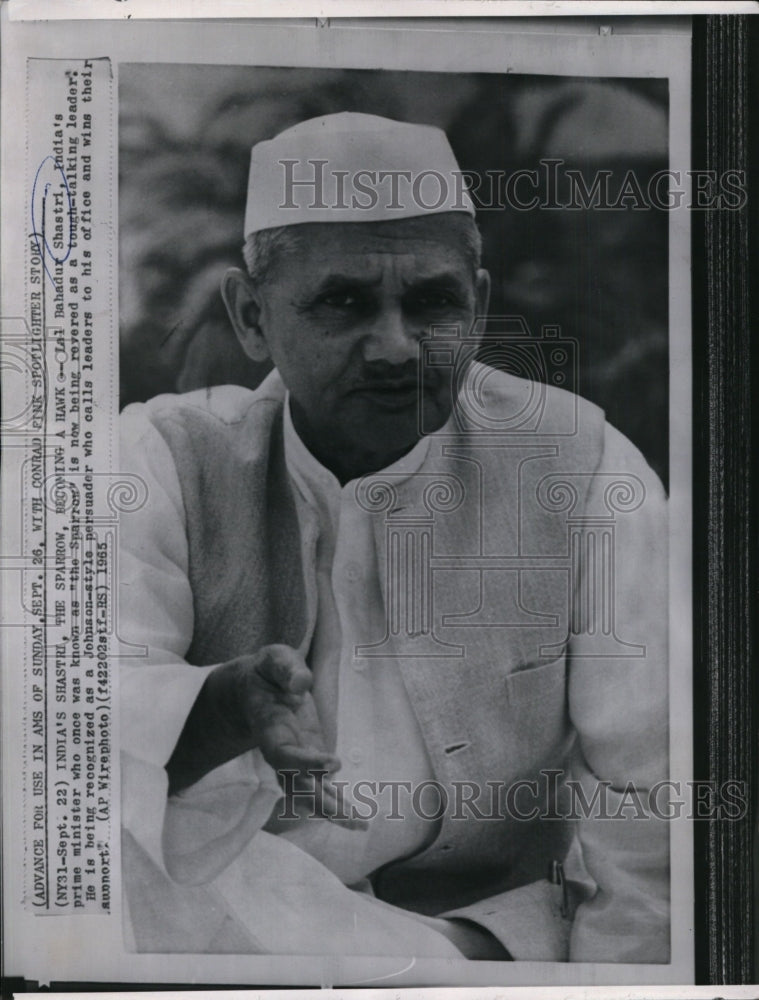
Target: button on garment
x,y
362,703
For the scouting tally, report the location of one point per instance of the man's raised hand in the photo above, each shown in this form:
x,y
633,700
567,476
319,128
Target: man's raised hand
x,y
261,700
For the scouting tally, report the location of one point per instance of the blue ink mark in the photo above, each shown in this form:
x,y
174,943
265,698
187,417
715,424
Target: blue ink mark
x,y
38,236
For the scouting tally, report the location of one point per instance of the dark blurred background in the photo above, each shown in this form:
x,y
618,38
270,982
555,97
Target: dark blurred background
x,y
600,275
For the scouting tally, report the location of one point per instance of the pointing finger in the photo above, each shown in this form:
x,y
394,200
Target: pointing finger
x,y
284,669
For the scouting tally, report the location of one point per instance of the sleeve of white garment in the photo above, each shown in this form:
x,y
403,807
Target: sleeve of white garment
x,y
619,707
158,686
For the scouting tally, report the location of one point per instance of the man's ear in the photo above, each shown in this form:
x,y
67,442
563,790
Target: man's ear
x,y
482,292
244,307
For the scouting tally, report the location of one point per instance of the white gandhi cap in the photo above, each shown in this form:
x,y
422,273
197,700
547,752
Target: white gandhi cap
x,y
352,167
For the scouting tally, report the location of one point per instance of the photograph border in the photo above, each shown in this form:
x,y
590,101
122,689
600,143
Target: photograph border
x,y
725,125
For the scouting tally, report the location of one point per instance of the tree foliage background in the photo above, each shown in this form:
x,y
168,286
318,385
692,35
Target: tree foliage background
x,y
185,134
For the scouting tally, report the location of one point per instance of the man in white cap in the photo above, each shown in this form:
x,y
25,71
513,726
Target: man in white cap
x,y
399,612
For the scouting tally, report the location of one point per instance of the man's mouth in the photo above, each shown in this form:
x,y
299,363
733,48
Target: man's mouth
x,y
389,395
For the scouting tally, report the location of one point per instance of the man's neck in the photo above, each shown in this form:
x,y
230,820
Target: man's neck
x,y
344,461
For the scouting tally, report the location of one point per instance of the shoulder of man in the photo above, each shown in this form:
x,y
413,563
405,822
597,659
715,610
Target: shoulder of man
x,y
222,404
203,432
495,401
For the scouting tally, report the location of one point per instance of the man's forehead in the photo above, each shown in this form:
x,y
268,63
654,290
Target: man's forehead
x,y
365,256
428,239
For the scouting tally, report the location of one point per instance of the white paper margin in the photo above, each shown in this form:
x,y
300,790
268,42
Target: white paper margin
x,y
90,948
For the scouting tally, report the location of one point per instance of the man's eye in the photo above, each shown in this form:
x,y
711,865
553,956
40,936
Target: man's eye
x,y
434,300
340,300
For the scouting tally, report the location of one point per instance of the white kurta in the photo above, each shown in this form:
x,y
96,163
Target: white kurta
x,y
298,881
362,702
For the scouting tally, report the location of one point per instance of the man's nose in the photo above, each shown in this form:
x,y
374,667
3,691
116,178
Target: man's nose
x,y
393,338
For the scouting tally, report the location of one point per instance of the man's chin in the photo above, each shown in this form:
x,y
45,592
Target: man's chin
x,y
392,434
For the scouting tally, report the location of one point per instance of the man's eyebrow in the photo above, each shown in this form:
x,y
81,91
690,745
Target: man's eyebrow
x,y
450,280
339,280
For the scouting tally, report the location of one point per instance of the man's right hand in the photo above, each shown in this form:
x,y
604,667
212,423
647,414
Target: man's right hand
x,y
251,702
